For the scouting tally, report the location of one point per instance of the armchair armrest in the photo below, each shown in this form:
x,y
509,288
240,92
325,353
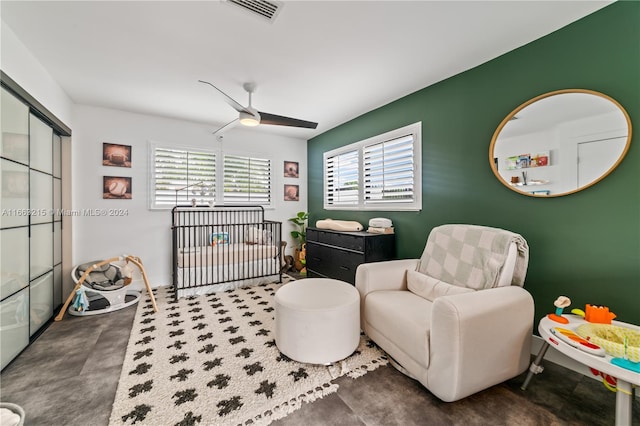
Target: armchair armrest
x,y
388,275
478,340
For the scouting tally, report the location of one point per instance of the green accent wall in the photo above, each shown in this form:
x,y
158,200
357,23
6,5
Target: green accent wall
x,y
585,245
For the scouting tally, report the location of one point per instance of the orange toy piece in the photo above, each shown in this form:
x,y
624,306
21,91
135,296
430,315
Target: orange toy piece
x,y
598,314
558,318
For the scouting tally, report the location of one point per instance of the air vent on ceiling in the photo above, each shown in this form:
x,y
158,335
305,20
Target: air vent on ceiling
x,y
266,9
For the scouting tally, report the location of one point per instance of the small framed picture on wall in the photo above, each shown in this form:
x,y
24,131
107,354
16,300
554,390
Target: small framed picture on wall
x,y
116,187
291,169
292,193
116,155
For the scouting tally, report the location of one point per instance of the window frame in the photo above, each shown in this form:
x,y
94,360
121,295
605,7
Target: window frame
x,y
219,172
415,131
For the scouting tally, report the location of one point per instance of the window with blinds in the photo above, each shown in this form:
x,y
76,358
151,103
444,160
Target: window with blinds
x,y
180,176
388,171
379,173
247,180
341,179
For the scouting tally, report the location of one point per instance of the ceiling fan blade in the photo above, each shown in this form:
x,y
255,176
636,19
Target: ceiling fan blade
x,y
279,120
235,105
227,126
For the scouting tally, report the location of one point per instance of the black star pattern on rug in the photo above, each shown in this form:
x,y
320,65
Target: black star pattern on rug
x,y
236,340
138,414
136,390
221,381
199,326
231,329
189,419
229,405
252,369
141,368
174,315
266,388
184,396
175,333
178,358
145,340
244,353
178,344
140,354
206,336
148,329
301,373
208,365
181,375
208,349
283,358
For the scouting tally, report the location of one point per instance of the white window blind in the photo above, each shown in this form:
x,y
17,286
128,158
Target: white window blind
x,y
388,171
176,169
379,173
341,179
247,180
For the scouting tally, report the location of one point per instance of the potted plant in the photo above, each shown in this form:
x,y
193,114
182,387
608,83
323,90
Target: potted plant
x,y
299,235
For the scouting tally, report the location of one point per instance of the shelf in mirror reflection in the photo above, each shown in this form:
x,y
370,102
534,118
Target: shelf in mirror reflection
x,y
530,183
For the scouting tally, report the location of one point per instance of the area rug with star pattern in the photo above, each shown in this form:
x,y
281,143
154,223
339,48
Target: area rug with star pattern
x,y
212,360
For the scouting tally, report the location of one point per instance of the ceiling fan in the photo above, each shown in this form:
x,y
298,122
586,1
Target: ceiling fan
x,y
249,116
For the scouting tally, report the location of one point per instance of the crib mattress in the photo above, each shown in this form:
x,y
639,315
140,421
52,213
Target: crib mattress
x,y
225,254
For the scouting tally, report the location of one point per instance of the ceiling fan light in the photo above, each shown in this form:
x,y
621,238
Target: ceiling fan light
x,y
250,120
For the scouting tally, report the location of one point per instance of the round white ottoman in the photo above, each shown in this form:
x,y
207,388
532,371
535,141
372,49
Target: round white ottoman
x,y
317,320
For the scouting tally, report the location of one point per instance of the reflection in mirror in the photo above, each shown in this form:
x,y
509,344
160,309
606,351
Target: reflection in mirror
x,y
560,143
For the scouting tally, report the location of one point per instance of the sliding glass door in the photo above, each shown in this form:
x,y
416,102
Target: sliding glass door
x,y
30,225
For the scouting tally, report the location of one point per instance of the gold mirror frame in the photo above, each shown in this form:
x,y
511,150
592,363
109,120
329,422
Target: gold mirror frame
x,y
511,116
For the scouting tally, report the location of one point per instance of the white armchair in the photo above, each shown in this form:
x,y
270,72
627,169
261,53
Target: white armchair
x,y
457,320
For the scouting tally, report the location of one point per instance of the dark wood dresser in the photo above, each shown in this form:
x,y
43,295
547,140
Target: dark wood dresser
x,y
335,254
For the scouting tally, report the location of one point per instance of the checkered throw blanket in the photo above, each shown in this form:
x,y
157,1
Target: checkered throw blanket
x,y
472,256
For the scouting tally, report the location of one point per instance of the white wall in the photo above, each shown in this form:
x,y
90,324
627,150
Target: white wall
x,y
19,64
143,232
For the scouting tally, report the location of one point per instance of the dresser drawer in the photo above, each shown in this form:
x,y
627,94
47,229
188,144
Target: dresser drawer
x,y
350,241
333,262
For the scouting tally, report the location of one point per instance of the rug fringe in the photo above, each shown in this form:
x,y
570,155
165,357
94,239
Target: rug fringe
x,y
292,405
370,366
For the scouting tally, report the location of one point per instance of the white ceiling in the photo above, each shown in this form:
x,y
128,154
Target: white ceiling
x,y
324,61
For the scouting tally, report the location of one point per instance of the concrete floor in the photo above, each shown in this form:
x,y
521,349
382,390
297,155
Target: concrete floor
x,y
69,375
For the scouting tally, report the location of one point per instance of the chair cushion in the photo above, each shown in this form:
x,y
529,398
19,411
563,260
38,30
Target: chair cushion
x,y
431,288
404,319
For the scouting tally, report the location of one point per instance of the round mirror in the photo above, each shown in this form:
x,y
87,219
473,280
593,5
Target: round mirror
x,y
560,143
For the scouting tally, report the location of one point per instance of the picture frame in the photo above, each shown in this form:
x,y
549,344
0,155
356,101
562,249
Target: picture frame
x,y
292,193
291,169
115,155
116,188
